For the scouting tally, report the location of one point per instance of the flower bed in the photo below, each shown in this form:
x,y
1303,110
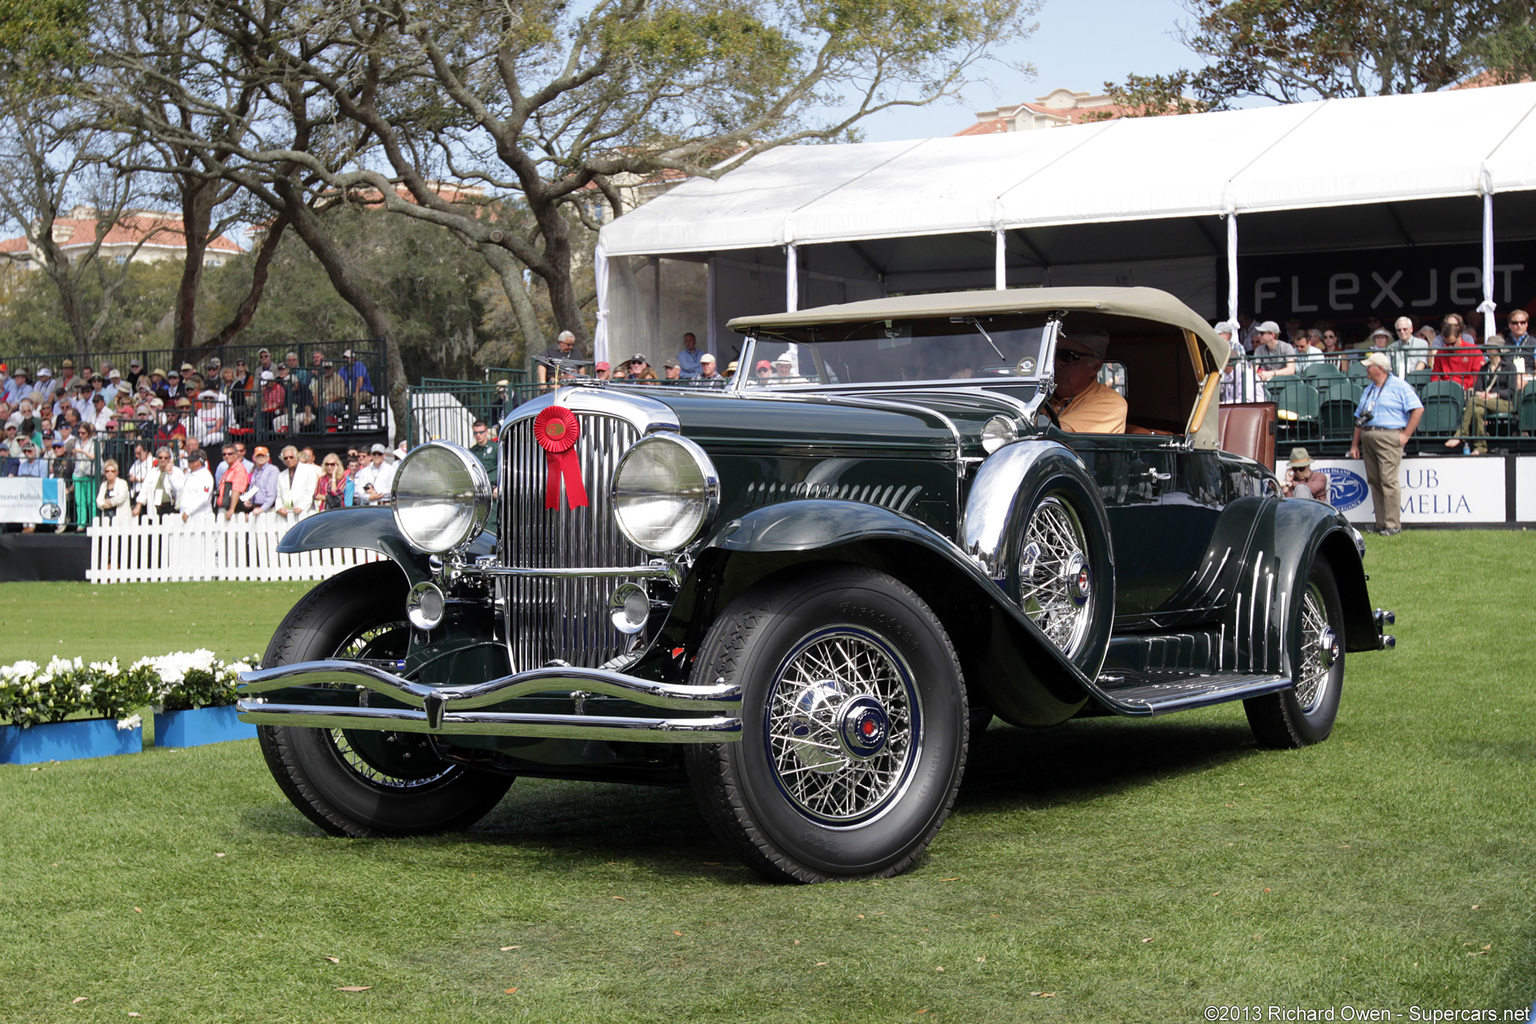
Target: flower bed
x,y
33,694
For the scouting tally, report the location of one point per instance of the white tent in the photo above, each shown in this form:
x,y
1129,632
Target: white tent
x,y
1135,201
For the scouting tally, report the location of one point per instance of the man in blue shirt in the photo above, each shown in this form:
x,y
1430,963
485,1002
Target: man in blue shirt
x,y
355,373
1390,410
688,364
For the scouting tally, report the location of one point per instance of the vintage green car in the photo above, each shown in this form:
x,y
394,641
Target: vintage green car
x,y
804,593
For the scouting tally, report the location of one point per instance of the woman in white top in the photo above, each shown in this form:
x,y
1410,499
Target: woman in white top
x,y
113,496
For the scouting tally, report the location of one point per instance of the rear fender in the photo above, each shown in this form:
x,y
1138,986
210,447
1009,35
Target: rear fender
x,y
1263,584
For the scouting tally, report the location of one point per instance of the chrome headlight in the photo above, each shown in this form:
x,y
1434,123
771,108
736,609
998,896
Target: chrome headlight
x,y
998,431
665,492
442,497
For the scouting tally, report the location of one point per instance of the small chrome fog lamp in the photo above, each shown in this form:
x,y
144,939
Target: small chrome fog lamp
x,y
425,604
629,608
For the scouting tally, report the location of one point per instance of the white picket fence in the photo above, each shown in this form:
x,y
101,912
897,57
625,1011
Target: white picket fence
x,y
244,547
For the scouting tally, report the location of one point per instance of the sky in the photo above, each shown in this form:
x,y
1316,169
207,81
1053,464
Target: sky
x,y
1080,45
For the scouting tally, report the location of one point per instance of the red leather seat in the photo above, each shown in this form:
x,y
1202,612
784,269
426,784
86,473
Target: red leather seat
x,y
1249,429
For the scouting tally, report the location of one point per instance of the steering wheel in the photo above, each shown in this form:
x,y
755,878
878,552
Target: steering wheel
x,y
1050,414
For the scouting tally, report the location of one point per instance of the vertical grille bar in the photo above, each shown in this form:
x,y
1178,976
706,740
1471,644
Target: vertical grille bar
x,y
564,619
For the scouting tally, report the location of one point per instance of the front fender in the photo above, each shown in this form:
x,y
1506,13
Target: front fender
x,y
370,528
1004,655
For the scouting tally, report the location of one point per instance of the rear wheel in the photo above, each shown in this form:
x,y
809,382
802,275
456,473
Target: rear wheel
x,y
854,726
1305,714
362,782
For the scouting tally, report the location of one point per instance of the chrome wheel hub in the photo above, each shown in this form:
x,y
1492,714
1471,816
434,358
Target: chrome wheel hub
x,y
841,725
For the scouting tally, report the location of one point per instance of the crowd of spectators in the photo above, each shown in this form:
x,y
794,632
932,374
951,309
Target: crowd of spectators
x,y
1490,370
65,425
1450,349
184,405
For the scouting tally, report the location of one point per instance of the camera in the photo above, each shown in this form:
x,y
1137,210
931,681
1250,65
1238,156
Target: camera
x,y
1365,417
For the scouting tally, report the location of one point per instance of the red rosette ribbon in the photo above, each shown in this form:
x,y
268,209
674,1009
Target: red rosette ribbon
x,y
557,431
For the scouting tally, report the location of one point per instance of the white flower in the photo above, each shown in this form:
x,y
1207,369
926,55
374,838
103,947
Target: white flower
x,y
131,722
85,689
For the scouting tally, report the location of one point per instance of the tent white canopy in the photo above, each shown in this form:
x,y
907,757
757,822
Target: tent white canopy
x,y
1001,196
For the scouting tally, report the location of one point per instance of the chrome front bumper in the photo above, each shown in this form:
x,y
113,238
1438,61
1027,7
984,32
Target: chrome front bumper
x,y
460,710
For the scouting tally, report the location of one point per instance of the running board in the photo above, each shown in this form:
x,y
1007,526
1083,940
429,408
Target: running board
x,y
1129,695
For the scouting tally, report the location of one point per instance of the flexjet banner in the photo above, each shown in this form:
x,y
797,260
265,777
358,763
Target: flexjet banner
x,y
1423,282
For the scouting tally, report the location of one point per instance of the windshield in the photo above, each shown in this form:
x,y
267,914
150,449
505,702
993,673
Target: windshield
x,y
895,351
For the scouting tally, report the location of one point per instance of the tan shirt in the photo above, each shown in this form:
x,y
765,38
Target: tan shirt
x,y
1097,409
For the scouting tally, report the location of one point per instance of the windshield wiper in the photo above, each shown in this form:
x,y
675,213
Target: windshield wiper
x,y
976,323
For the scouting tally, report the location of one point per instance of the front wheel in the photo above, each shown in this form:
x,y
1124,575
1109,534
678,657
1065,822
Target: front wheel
x,y
359,782
1304,714
854,726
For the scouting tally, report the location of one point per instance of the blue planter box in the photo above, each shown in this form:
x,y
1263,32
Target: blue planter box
x,y
200,725
68,741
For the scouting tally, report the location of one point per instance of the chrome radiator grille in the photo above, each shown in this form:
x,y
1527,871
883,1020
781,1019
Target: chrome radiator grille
x,y
565,619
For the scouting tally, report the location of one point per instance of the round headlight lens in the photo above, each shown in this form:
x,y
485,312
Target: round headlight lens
x,y
998,431
442,497
665,492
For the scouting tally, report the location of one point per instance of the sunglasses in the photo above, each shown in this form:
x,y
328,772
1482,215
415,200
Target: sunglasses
x,y
1066,355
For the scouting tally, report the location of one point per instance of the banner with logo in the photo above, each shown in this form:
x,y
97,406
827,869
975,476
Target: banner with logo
x,y
30,499
1467,489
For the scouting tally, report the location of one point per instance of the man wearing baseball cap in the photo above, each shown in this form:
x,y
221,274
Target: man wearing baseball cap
x,y
1276,358
375,480
262,493
1388,414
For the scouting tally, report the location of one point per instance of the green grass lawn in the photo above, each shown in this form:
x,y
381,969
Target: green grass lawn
x,y
1106,870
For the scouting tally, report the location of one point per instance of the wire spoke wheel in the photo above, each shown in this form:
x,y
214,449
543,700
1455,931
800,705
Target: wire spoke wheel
x,y
854,723
362,782
1317,642
1054,574
1305,713
843,719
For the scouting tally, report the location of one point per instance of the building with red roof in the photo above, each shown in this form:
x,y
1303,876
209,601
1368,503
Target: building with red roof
x,y
145,235
1062,107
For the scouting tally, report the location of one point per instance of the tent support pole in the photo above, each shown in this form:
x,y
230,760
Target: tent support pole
x,y
1489,307
600,275
1232,267
1002,259
709,303
791,278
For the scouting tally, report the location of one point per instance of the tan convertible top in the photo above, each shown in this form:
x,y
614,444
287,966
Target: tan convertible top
x,y
1144,303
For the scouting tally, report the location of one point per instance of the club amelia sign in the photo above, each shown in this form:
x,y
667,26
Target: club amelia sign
x,y
1462,489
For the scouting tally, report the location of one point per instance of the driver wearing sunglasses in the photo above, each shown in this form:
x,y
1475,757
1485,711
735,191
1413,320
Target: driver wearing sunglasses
x,y
1081,403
